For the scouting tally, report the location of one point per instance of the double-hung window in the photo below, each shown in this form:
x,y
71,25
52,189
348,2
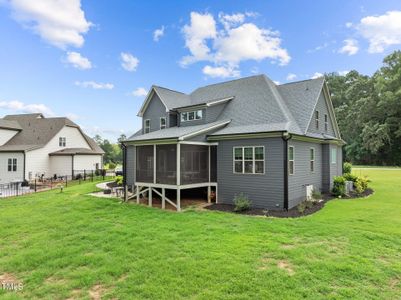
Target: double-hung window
x,y
312,159
191,115
62,141
291,160
12,165
147,126
249,160
163,122
326,123
317,119
333,155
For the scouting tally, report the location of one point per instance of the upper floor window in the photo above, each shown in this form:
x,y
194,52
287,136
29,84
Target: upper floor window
x,y
147,126
291,160
62,141
163,123
326,122
191,115
317,119
333,155
12,165
312,159
249,160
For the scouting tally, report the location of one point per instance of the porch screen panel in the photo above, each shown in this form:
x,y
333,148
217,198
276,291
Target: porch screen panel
x,y
166,164
144,163
194,164
213,163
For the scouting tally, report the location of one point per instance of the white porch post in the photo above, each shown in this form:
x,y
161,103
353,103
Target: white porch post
x,y
138,195
209,163
150,196
216,195
178,199
163,198
209,192
178,172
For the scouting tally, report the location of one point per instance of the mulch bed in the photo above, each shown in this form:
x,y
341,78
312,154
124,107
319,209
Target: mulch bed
x,y
292,213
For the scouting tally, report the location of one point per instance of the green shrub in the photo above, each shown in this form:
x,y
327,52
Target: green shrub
x,y
301,207
338,186
119,180
316,195
309,203
361,184
242,203
347,168
350,177
112,166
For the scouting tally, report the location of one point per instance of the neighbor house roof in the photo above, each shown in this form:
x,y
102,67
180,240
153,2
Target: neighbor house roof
x,y
179,133
36,131
73,151
6,124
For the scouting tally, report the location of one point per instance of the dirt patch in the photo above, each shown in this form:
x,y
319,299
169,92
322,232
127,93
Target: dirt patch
x,y
76,293
287,246
264,263
55,280
284,265
394,282
291,213
8,277
96,292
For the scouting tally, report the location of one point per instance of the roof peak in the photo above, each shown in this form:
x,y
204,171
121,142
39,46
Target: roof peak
x,y
300,81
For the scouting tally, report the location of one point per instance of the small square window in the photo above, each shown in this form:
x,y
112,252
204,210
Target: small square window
x,y
163,122
333,155
147,126
62,142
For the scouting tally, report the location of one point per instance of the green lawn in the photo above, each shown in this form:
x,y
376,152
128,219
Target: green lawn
x,y
73,245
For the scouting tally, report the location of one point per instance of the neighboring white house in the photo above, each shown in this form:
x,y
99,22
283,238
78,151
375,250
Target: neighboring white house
x,y
32,146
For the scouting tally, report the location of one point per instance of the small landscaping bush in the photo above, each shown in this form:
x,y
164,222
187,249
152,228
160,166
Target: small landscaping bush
x,y
361,184
119,180
347,168
242,203
112,166
339,186
350,177
301,207
316,195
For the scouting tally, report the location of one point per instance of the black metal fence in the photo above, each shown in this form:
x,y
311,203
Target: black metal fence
x,y
42,183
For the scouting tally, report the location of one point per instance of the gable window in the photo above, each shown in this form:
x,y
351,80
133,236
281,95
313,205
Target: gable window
x,y
291,160
191,115
62,141
12,165
312,159
326,122
147,126
317,119
333,155
249,160
163,123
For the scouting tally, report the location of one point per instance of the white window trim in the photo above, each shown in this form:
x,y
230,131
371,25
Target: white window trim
x,y
165,122
312,160
62,141
317,121
145,127
333,150
326,123
195,114
293,160
253,160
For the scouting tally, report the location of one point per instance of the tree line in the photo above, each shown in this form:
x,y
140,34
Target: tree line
x,y
368,112
113,153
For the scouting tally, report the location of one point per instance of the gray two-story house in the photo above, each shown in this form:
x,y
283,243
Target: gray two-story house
x,y
274,143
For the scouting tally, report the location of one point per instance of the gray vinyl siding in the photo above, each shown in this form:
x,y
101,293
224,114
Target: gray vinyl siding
x,y
154,112
193,122
213,112
265,191
302,175
331,170
172,120
326,168
321,106
131,152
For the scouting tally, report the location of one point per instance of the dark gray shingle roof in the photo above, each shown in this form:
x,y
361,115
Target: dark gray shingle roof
x,y
9,124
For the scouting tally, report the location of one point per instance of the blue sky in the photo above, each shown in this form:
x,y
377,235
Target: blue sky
x,y
94,60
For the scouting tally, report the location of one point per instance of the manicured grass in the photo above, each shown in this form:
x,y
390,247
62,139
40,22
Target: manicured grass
x,y
73,245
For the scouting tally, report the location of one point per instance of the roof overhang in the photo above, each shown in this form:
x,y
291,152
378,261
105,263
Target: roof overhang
x,y
145,103
203,104
253,135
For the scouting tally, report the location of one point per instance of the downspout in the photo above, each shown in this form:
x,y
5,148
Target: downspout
x,y
72,166
286,137
24,165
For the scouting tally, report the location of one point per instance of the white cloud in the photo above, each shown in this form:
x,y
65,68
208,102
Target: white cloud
x,y
381,31
129,62
232,43
78,61
221,72
139,92
291,76
348,24
60,23
317,75
20,107
95,85
158,33
350,47
343,73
